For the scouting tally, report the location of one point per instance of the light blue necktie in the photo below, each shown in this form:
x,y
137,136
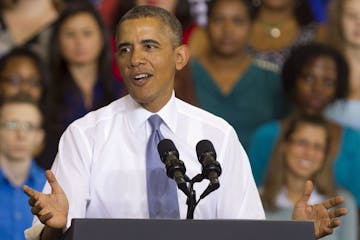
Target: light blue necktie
x,y
161,190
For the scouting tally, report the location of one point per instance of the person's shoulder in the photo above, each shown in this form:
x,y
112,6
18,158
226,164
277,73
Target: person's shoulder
x,y
351,134
198,115
267,128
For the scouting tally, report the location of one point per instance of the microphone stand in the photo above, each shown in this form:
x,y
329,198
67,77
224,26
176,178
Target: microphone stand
x,y
191,200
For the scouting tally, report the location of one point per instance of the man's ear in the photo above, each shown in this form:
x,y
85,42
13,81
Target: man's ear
x,y
182,55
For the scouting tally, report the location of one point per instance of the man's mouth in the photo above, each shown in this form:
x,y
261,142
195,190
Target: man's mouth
x,y
141,76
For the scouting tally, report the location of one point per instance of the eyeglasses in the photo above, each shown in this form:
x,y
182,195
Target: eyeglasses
x,y
14,125
305,144
17,81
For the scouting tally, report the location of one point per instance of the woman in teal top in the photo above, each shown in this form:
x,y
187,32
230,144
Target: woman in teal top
x,y
313,76
255,98
227,80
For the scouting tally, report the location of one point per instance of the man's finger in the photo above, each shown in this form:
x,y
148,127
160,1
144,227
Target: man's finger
x,y
31,192
307,191
44,218
335,223
32,201
35,210
338,212
332,202
55,187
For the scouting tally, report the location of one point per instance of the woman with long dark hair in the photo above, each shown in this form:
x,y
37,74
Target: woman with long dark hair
x,y
80,64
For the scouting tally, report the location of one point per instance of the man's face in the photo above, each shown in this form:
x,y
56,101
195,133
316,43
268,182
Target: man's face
x,y
20,132
148,60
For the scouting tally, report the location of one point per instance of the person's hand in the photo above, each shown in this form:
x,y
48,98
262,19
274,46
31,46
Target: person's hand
x,y
325,219
51,209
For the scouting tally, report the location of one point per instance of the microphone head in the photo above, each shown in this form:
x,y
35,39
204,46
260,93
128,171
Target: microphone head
x,y
205,146
165,147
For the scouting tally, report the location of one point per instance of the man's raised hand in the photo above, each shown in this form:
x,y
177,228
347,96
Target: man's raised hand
x,y
51,209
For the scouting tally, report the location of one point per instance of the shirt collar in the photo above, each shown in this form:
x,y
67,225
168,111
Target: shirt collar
x,y
137,115
34,173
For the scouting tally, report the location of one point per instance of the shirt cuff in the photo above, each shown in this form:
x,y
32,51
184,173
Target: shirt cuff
x,y
34,232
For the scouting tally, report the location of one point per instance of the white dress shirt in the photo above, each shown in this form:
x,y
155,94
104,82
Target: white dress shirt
x,y
101,162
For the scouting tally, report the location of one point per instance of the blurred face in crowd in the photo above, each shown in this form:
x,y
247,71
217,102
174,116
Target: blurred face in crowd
x,y
304,153
80,39
20,131
169,5
21,75
316,85
148,60
351,22
278,4
228,27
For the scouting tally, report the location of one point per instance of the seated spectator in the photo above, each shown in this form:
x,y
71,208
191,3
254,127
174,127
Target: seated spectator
x,y
27,23
313,77
80,66
279,26
22,71
343,35
229,82
301,154
20,134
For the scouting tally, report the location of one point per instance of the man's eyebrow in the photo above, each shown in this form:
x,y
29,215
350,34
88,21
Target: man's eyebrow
x,y
123,44
147,41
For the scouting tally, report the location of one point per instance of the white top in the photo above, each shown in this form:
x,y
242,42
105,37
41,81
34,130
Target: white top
x,y
345,112
282,200
101,162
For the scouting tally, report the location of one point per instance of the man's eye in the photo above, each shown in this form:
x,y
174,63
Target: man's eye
x,y
123,50
149,46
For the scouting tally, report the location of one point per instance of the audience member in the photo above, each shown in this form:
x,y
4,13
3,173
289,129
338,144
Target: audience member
x,y
227,81
313,76
343,34
114,146
21,70
80,66
20,134
29,23
301,153
279,26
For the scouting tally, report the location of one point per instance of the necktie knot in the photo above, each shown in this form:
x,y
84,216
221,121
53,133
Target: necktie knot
x,y
155,121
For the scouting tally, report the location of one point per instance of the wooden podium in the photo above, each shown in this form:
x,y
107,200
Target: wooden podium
x,y
148,229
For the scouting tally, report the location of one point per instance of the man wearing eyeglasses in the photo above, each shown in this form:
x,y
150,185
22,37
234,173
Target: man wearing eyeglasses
x,y
20,135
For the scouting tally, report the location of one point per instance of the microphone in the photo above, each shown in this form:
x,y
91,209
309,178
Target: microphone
x,y
175,168
211,168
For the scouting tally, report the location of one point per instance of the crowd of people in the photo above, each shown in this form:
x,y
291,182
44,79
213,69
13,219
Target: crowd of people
x,y
282,73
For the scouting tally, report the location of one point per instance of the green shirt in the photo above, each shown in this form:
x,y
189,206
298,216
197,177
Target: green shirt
x,y
256,98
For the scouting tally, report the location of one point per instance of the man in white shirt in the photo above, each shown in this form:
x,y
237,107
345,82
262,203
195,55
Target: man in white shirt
x,y
100,166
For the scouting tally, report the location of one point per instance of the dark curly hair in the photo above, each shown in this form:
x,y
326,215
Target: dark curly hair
x,y
301,55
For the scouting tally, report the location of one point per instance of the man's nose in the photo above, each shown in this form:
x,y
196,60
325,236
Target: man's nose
x,y
136,58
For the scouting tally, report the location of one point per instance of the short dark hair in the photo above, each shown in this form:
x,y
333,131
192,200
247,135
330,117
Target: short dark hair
x,y
155,12
23,52
21,98
247,3
301,55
